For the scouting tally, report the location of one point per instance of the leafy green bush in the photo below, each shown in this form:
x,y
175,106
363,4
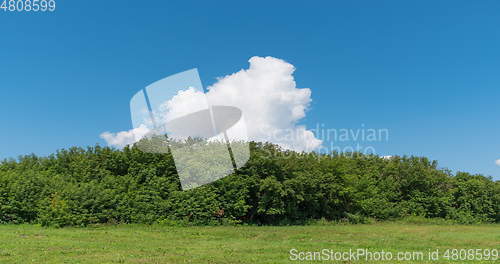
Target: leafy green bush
x,y
104,185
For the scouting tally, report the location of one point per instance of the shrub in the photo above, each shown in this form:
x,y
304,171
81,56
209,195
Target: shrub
x,y
104,185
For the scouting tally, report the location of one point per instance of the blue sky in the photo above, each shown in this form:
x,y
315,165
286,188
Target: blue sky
x,y
426,70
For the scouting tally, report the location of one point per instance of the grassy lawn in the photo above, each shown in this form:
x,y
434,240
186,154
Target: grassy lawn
x,y
240,244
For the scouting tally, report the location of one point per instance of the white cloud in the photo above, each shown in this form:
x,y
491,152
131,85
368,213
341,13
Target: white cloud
x,y
272,104
497,162
124,138
184,102
266,93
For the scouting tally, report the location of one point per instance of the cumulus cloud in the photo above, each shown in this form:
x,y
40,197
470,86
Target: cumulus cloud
x,y
183,103
497,162
267,94
124,138
272,104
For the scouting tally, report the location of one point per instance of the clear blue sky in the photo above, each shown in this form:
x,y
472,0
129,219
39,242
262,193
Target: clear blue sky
x,y
427,70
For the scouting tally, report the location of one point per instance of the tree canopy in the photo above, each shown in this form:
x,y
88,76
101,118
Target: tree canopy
x,y
104,185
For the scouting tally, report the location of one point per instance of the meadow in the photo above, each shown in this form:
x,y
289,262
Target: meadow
x,y
102,205
236,244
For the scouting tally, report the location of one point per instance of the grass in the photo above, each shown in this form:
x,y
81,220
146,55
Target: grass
x,y
231,244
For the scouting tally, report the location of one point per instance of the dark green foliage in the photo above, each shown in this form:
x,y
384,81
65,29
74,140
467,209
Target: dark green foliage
x,y
103,185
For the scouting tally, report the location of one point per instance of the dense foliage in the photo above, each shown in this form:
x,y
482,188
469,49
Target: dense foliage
x,y
103,185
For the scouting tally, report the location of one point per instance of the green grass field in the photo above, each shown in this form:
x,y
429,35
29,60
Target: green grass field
x,y
238,244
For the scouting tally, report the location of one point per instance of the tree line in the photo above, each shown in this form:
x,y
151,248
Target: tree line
x,y
80,186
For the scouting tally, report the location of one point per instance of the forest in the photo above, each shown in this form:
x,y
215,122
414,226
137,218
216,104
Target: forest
x,y
100,185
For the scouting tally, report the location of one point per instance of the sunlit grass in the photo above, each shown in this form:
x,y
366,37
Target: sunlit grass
x,y
229,244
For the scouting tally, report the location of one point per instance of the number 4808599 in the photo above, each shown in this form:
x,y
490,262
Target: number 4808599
x,y
28,5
